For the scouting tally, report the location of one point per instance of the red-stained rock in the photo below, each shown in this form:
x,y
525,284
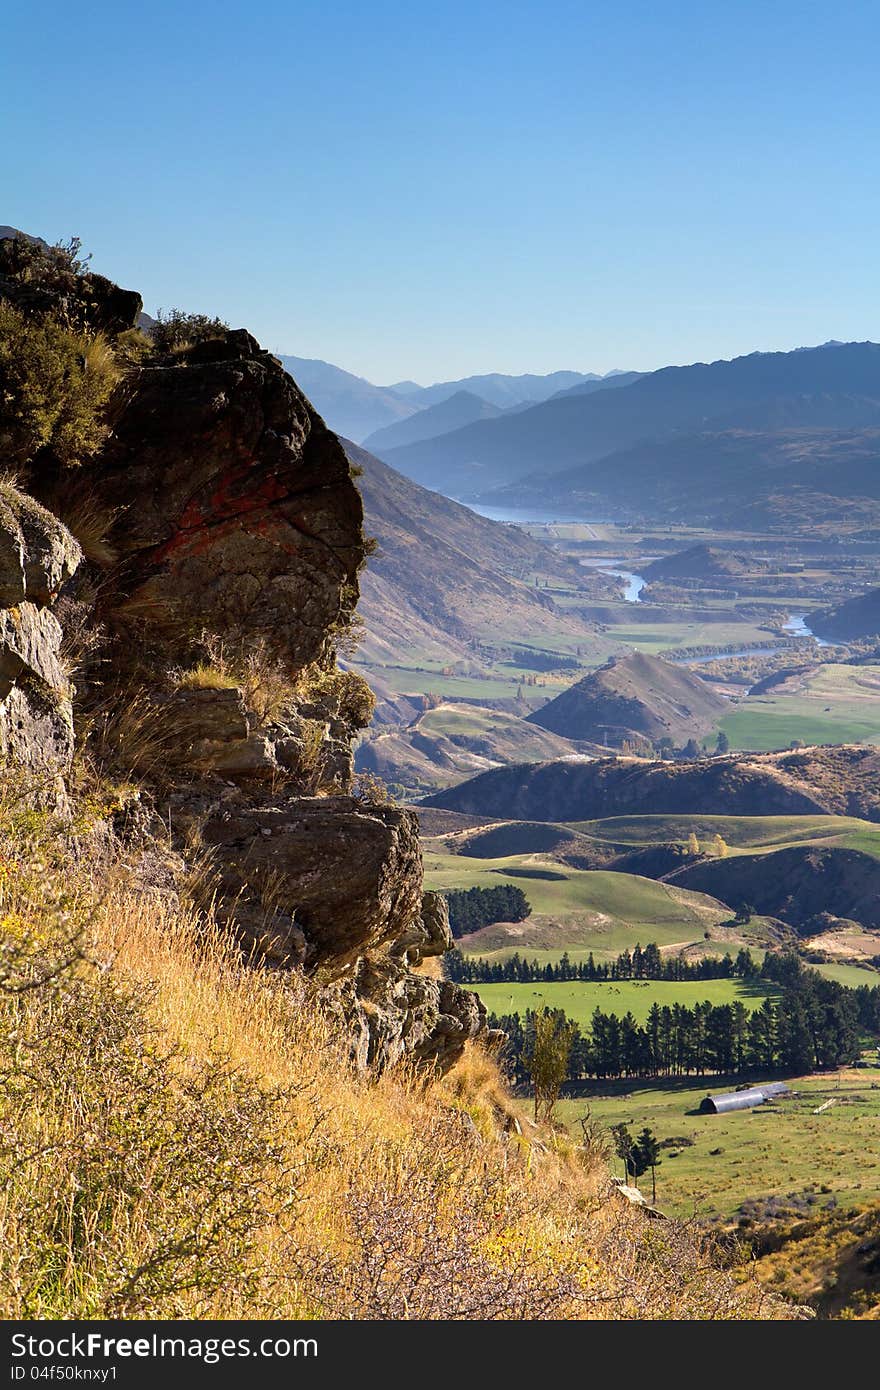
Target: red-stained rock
x,y
237,514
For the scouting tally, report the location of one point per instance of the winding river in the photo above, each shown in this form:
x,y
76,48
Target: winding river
x,y
795,624
633,584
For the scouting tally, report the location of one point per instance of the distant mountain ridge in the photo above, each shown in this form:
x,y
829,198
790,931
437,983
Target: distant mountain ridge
x,y
674,438
357,409
502,390
450,414
349,404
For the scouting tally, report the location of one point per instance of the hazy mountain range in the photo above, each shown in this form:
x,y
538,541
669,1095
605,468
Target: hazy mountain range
x,y
690,442
354,407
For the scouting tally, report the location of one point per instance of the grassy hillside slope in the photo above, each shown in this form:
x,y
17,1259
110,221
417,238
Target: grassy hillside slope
x,y
183,1136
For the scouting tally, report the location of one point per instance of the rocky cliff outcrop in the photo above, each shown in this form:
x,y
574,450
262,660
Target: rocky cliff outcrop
x,y
223,536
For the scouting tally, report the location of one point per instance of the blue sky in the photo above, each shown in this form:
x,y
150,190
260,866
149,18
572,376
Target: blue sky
x,y
423,190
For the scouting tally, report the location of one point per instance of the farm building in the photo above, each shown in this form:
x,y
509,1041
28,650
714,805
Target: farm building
x,y
744,1100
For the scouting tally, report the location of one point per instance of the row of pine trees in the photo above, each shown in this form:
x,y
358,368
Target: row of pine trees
x,y
812,1024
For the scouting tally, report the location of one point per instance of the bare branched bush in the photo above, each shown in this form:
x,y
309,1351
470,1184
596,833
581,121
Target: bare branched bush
x,y
371,790
431,1236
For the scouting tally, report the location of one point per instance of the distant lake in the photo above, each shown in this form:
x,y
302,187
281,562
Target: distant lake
x,y
525,517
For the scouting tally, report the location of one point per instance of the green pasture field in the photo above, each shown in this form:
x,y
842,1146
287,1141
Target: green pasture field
x,y
579,998
850,975
660,637
772,1150
746,833
837,704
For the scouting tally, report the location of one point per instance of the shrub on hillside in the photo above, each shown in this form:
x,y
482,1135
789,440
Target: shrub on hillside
x,y
135,1179
54,386
177,330
53,268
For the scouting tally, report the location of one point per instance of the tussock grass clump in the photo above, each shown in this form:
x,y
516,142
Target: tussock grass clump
x,y
267,686
183,1135
206,676
90,521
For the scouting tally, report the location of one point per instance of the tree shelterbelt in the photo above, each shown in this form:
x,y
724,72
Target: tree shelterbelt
x,y
813,1024
638,964
472,908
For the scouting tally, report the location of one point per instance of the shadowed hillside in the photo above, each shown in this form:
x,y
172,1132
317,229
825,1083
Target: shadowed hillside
x,y
843,780
804,886
857,617
444,576
703,562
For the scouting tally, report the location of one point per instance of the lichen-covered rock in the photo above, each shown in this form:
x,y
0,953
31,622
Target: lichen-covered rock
x,y
236,510
37,555
37,552
347,873
389,1012
208,731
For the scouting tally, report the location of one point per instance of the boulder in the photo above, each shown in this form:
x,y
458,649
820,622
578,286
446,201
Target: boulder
x,y
37,555
428,935
347,873
36,720
37,552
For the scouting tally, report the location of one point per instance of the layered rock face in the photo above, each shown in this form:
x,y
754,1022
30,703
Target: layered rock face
x,y
230,525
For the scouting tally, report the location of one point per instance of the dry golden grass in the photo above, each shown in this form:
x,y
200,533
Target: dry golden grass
x,y
206,676
183,1135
